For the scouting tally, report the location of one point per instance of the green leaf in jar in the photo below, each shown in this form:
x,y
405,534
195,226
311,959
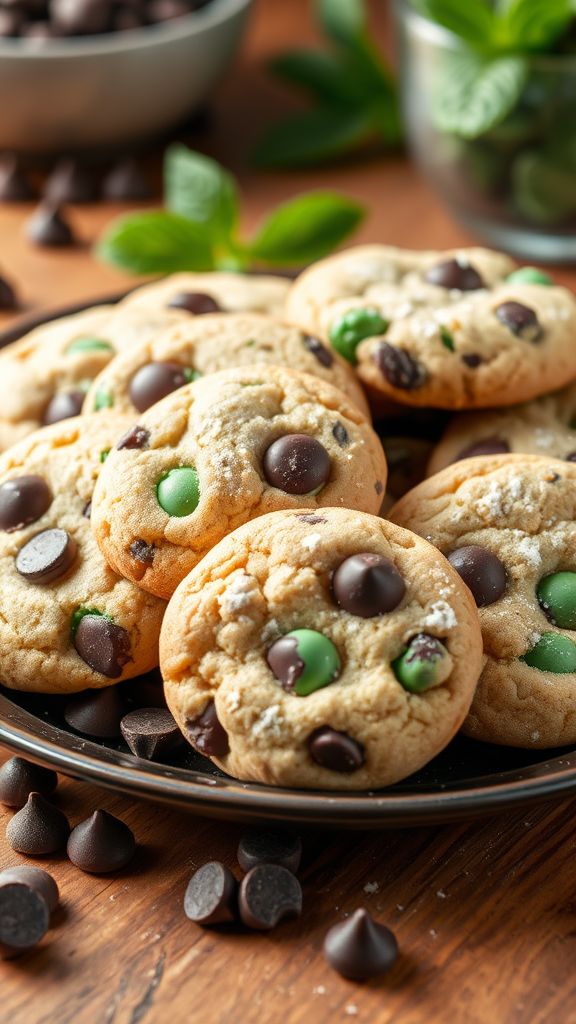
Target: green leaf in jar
x,y
543,192
472,95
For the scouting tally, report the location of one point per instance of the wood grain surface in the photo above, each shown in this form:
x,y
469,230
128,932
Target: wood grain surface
x,y
484,912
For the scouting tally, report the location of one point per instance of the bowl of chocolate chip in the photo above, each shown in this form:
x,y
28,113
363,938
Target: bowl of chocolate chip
x,y
93,73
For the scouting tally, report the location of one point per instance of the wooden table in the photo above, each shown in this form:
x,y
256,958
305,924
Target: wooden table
x,y
484,911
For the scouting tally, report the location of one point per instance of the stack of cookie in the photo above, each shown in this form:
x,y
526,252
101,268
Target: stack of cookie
x,y
207,442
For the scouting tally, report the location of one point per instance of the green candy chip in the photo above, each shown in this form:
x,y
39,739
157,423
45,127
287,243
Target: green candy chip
x,y
321,661
347,331
89,344
557,596
103,399
424,663
529,275
552,653
178,491
79,614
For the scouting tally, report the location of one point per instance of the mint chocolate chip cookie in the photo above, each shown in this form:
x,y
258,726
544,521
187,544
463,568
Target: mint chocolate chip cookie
x,y
67,621
322,649
507,524
450,330
220,451
198,294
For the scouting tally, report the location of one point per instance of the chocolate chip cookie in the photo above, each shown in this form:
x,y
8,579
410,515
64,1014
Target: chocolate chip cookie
x,y
67,621
507,524
323,648
146,373
197,294
44,376
451,330
220,451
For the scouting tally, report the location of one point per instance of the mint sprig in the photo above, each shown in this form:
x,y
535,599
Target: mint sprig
x,y
352,92
198,230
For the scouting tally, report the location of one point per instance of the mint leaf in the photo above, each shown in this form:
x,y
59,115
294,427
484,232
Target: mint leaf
x,y
543,191
305,229
472,95
197,188
472,20
533,24
312,137
156,242
342,20
330,78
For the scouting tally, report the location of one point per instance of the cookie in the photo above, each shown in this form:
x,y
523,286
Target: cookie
x,y
67,621
507,523
327,650
545,426
451,330
223,450
198,294
138,378
44,376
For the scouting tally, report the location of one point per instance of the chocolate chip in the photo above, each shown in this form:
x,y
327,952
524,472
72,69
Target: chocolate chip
x,y
296,464
571,457
360,948
96,713
472,360
482,572
63,406
23,499
197,303
87,510
262,846
335,750
207,735
520,320
48,227
10,22
151,733
285,662
80,17
399,369
46,557
125,181
70,182
136,437
487,446
24,918
322,354
311,519
340,434
33,878
8,297
101,844
456,274
14,185
367,585
378,487
211,896
165,10
268,894
154,381
103,645
38,828
19,778
142,551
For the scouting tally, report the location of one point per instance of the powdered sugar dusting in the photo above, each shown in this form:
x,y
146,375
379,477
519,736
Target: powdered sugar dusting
x,y
240,592
441,616
311,541
269,723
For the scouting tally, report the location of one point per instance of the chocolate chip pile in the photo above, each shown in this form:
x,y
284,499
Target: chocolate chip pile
x,y
41,21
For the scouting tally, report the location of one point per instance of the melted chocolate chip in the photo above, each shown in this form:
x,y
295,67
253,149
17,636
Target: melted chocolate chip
x,y
322,354
520,320
262,846
311,519
142,551
136,437
454,274
197,303
19,778
472,360
296,464
482,572
367,584
212,895
38,828
96,713
399,369
23,499
48,227
340,434
151,733
47,557
154,381
335,750
285,662
103,645
488,446
360,948
207,735
268,894
101,844
64,405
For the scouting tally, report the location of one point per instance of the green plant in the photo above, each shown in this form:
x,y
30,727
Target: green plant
x,y
198,229
353,93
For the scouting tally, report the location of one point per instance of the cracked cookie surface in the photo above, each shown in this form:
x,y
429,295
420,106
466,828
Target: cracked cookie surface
x,y
215,292
357,592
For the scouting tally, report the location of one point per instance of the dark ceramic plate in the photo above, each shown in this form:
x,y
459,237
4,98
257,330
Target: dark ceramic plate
x,y
468,779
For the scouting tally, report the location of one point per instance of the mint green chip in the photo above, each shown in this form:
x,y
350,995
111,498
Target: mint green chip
x,y
423,664
552,653
321,661
89,344
529,275
348,330
557,596
178,491
103,399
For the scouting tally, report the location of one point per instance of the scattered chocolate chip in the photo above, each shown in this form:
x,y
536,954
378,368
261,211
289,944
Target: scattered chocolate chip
x,y
64,405
260,846
482,572
322,354
520,320
340,434
24,918
33,878
359,948
335,750
211,896
23,499
399,369
125,181
48,227
87,510
367,584
206,733
151,733
38,828
268,894
19,778
488,446
136,437
312,520
101,844
46,557
14,185
456,274
142,551
96,713
70,182
154,381
197,303
472,360
285,662
296,464
103,645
